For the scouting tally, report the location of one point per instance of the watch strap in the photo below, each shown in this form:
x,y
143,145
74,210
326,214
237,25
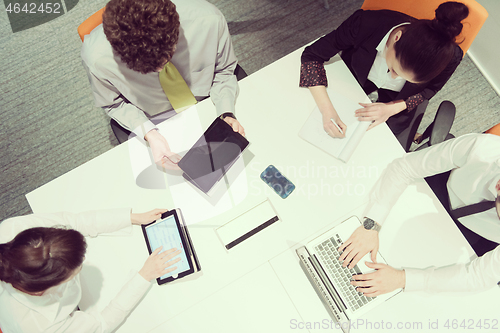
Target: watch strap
x,y
227,114
374,225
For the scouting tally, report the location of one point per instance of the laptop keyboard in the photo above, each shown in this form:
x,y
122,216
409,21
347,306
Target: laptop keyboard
x,y
341,276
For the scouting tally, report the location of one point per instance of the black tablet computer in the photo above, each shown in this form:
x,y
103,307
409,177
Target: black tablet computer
x,y
212,155
170,231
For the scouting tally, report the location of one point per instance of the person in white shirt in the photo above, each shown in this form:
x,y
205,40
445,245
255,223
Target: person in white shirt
x,y
124,55
475,177
41,256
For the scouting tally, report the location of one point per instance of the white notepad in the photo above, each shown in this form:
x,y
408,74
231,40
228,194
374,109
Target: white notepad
x,y
247,224
341,148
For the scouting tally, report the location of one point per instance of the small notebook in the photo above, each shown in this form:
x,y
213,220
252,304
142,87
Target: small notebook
x,y
341,148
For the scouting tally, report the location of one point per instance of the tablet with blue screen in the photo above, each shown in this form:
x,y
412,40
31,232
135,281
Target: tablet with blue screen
x,y
171,232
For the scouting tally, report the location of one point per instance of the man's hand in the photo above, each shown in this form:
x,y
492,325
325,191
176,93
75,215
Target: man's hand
x,y
360,243
157,263
384,280
235,124
162,154
379,112
147,217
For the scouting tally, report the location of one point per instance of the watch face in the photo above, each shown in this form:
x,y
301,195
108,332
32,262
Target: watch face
x,y
368,224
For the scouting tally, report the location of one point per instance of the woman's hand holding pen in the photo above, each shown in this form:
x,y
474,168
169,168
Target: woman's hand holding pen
x,y
333,126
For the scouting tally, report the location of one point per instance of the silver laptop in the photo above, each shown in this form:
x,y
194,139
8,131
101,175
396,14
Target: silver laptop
x,y
319,260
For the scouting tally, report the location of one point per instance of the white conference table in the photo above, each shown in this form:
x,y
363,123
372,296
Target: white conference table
x,y
258,285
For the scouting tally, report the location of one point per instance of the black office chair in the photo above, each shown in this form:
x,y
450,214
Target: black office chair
x,y
123,135
240,72
437,132
406,137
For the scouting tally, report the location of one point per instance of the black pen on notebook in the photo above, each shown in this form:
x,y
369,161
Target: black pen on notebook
x,y
338,127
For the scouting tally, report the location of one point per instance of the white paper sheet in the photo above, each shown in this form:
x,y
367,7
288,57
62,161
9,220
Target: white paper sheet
x,y
342,148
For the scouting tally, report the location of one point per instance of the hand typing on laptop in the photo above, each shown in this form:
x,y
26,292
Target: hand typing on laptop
x,y
334,284
357,245
384,280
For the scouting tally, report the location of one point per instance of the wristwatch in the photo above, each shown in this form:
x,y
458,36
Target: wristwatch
x,y
227,114
369,224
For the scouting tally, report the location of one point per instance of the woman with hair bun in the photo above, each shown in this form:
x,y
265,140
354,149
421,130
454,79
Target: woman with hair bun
x,y
404,59
41,256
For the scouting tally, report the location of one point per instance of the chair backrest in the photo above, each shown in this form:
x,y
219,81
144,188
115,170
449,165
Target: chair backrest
x,y
494,130
425,9
406,137
89,24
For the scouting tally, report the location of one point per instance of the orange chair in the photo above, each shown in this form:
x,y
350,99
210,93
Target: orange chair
x,y
89,24
426,10
85,28
494,130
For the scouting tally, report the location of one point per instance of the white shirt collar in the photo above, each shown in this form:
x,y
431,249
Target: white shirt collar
x,y
382,46
379,72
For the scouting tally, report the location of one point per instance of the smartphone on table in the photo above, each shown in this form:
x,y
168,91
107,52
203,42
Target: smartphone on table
x,y
279,183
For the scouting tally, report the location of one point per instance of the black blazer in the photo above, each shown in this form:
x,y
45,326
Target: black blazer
x,y
357,38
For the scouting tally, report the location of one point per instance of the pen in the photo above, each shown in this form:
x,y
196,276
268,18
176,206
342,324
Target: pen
x,y
338,127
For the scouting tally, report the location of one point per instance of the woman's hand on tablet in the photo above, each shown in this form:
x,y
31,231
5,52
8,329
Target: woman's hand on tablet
x,y
158,263
148,217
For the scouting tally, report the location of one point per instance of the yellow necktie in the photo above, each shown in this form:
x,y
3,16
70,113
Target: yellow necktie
x,y
176,89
